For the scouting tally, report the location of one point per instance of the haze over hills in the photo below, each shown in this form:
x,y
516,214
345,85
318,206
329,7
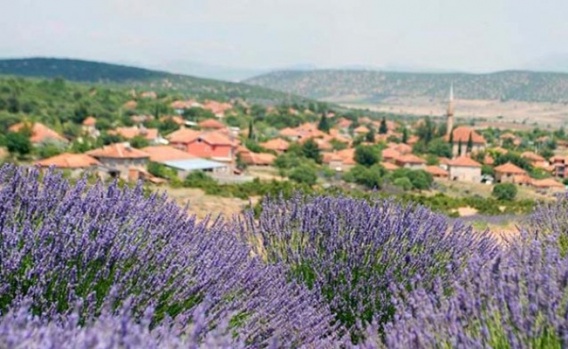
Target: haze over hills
x,y
357,86
105,73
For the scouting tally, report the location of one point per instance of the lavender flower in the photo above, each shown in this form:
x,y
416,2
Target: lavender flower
x,y
63,244
354,252
519,300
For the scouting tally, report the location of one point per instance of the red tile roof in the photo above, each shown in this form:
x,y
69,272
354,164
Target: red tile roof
x,y
175,118
67,160
389,166
118,151
464,161
510,168
211,124
361,130
161,153
276,144
462,134
40,132
546,183
529,155
390,153
436,171
410,159
261,159
184,135
131,132
90,121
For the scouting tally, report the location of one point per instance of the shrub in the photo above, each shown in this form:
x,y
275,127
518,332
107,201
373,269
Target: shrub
x,y
517,300
403,183
304,174
112,247
353,251
505,191
367,155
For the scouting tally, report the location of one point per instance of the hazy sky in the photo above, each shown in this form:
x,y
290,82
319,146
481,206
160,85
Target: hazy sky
x,y
473,35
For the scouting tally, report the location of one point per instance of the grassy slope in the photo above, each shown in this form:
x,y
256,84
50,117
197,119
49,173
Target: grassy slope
x,y
373,86
95,72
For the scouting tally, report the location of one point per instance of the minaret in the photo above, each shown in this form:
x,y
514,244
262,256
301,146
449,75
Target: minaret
x,y
450,112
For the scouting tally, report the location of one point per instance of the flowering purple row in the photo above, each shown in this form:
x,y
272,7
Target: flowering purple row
x,y
353,252
63,244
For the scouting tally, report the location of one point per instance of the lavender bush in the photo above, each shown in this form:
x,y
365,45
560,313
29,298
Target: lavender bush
x,y
63,244
519,300
353,252
551,218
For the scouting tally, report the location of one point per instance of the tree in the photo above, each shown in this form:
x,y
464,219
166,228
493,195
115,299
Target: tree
x,y
304,174
370,136
311,150
367,155
403,183
451,140
405,135
324,123
18,143
139,142
470,143
460,147
505,191
383,129
251,131
439,148
426,130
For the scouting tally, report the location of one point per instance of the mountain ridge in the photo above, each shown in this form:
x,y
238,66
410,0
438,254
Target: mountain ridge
x,y
374,86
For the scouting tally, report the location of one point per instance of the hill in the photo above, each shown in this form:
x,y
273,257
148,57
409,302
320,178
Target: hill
x,y
105,73
360,86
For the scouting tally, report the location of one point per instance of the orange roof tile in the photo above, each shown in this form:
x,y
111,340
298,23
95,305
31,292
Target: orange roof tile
x,y
445,161
361,130
389,166
464,161
40,132
276,144
529,155
410,159
462,134
436,171
130,105
118,151
403,148
161,153
507,135
510,168
131,132
390,153
546,183
175,118
522,179
67,160
184,135
251,158
488,160
90,121
211,124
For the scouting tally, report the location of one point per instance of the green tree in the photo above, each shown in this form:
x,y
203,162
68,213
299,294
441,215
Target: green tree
x,y
139,142
505,191
426,130
311,150
460,147
451,139
370,177
251,131
48,150
439,148
324,123
404,135
383,129
470,143
18,143
370,136
367,155
304,174
403,183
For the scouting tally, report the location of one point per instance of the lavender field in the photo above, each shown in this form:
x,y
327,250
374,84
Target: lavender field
x,y
98,266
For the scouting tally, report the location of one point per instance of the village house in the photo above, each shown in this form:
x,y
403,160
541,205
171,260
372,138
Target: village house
x,y
389,166
410,161
559,168
257,159
278,145
76,163
437,172
217,108
89,127
535,159
121,160
181,161
209,145
180,106
40,134
509,137
340,161
361,130
461,136
211,124
510,173
547,185
150,134
163,153
390,155
464,169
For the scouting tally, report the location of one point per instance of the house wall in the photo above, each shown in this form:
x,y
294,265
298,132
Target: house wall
x,y
414,166
465,174
477,147
122,165
504,177
210,150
